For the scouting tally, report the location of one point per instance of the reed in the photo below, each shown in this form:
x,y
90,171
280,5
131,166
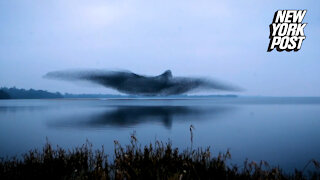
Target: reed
x,y
158,160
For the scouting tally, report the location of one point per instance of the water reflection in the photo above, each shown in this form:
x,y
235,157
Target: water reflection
x,y
128,116
13,109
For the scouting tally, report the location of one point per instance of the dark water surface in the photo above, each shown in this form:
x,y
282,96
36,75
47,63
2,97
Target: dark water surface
x,y
282,131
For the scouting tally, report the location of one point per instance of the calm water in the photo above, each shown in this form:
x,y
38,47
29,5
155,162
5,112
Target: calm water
x,y
282,131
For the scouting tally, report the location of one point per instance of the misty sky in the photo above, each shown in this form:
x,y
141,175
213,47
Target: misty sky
x,y
225,40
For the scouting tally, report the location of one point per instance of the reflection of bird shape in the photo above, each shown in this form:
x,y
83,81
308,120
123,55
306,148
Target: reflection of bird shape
x,y
126,116
131,83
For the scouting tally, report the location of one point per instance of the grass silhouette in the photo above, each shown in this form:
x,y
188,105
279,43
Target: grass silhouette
x,y
157,160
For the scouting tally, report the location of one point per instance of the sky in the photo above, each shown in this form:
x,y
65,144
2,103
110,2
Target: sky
x,y
224,40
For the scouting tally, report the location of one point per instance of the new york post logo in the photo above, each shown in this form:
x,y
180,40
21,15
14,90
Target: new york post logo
x,y
287,30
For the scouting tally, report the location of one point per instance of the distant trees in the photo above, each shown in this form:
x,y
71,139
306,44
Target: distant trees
x,y
4,95
15,93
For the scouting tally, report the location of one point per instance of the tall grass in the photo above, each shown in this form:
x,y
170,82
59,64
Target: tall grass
x,y
158,160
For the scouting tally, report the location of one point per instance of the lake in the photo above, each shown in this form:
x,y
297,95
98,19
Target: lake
x,y
284,131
